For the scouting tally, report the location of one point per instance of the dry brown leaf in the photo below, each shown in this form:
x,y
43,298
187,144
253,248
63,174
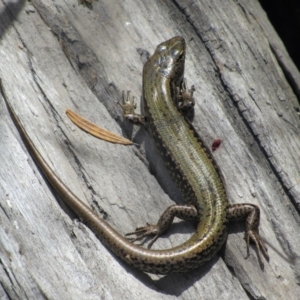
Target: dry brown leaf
x,y
95,130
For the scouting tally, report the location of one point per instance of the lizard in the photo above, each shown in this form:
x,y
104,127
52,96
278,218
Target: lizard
x,y
190,164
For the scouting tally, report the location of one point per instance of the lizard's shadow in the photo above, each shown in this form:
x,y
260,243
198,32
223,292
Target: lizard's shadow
x,y
175,284
172,284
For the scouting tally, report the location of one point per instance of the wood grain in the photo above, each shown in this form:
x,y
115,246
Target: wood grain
x,y
63,55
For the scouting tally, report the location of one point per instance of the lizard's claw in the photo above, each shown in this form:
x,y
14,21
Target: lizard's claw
x,y
143,232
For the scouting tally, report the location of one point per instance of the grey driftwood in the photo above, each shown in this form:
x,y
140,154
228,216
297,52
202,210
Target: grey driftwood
x,y
60,55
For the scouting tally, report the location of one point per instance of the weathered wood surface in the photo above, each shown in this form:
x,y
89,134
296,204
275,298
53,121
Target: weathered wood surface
x,y
59,55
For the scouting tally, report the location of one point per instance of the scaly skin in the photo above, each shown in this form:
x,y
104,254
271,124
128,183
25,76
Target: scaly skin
x,y
190,166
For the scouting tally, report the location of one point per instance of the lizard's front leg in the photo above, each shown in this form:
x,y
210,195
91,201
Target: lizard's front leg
x,y
128,104
184,97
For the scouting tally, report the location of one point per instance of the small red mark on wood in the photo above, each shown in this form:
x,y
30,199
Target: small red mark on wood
x,y
216,144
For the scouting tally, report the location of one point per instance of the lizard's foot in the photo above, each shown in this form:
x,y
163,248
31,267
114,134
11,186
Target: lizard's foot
x,y
185,97
252,215
253,235
128,104
142,232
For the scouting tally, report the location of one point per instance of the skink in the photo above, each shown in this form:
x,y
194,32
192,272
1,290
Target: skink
x,y
190,165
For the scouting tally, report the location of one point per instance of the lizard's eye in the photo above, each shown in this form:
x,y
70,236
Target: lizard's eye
x,y
160,48
176,53
181,56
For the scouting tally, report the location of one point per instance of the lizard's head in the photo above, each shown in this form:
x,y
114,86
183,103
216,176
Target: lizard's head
x,y
170,58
